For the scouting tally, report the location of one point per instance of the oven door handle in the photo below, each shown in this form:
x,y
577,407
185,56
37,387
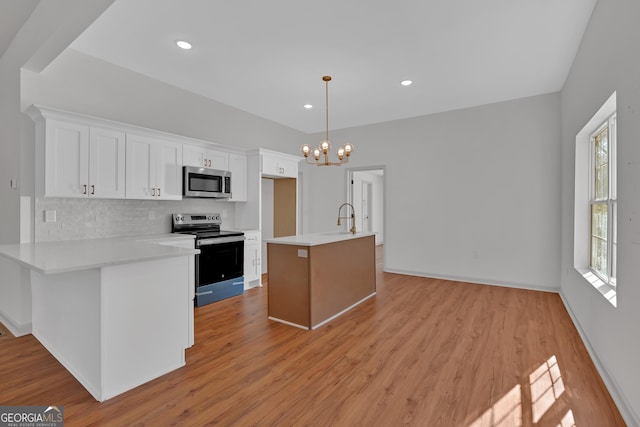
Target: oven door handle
x,y
218,240
204,293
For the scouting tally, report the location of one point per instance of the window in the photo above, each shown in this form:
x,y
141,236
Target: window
x,y
595,209
603,202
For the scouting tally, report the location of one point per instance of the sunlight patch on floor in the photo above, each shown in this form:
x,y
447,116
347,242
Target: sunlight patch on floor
x,y
545,386
506,412
567,420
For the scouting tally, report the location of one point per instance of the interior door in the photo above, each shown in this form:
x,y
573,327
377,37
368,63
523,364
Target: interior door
x,y
365,204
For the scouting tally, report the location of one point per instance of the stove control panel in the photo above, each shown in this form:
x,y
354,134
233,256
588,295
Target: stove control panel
x,y
197,219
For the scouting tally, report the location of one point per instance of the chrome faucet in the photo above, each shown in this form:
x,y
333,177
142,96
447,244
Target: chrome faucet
x,y
353,217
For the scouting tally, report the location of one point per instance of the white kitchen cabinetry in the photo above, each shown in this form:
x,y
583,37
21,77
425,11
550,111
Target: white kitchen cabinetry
x,y
252,259
83,161
193,155
153,168
238,169
279,165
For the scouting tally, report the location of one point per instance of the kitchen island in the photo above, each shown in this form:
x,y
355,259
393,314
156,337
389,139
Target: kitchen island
x,y
314,278
114,312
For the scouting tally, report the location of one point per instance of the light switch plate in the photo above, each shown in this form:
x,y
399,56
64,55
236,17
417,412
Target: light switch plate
x,y
303,253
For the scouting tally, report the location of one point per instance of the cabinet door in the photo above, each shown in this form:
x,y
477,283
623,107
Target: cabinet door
x,y
140,168
106,163
66,159
270,166
168,161
279,167
193,156
288,168
216,159
252,250
238,168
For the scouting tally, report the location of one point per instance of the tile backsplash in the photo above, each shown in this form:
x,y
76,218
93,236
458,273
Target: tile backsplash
x,y
94,218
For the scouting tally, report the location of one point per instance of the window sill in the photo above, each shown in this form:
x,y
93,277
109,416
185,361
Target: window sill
x,y
607,291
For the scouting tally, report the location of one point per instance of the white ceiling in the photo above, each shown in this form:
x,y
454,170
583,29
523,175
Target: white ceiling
x,y
268,57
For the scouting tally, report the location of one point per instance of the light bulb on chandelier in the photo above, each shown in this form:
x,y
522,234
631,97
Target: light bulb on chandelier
x,y
323,149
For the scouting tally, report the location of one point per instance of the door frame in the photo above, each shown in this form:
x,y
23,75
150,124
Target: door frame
x,y
348,177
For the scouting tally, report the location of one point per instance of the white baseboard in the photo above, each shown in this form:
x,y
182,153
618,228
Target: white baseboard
x,y
477,280
625,408
14,328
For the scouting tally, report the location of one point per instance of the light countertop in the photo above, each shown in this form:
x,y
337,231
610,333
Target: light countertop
x,y
75,255
319,238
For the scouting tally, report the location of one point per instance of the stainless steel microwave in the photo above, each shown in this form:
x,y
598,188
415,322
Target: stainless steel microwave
x,y
206,183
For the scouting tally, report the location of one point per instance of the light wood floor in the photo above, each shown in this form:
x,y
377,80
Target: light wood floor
x,y
423,352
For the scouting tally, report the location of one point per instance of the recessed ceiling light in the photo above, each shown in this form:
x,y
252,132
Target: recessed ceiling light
x,y
406,82
183,44
308,106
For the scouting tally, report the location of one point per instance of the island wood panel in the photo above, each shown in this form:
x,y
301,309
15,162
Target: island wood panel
x,y
341,274
289,297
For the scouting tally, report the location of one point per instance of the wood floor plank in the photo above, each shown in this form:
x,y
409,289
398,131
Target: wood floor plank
x,y
422,352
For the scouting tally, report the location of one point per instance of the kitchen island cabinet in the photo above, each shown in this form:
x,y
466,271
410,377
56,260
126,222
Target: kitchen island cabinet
x,y
114,312
314,278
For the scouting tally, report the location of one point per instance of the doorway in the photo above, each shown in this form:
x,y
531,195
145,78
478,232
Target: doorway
x,y
365,191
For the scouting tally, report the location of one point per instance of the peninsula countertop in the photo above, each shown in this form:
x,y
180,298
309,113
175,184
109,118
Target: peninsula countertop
x,y
319,238
75,255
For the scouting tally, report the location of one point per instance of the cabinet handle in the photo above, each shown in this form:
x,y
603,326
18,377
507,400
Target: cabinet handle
x,y
153,192
84,189
158,191
93,189
209,162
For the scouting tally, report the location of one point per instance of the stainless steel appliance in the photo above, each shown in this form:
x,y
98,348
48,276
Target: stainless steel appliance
x,y
219,266
207,183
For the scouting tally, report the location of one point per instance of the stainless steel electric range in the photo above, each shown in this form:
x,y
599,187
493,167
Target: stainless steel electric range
x,y
219,266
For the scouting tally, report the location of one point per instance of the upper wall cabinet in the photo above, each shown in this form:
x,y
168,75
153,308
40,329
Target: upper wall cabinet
x,y
278,165
193,155
154,168
83,156
79,160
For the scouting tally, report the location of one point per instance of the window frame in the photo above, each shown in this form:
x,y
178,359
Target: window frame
x,y
610,201
582,206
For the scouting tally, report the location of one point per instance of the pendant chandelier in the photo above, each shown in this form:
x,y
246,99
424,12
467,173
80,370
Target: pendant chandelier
x,y
323,149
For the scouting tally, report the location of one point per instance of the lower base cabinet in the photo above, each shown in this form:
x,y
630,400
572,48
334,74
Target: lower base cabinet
x,y
219,291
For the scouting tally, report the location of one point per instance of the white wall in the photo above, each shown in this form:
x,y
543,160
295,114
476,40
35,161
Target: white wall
x,y
471,194
606,62
84,84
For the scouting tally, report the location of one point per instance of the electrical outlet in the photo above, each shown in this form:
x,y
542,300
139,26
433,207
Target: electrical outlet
x,y
50,216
